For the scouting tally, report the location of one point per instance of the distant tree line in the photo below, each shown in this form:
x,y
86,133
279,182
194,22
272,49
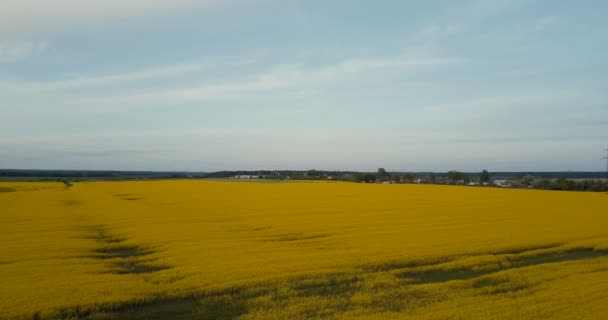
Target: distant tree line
x,y
565,184
484,178
96,174
572,181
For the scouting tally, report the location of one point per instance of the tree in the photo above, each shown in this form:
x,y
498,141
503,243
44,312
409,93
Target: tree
x,y
484,177
383,175
364,177
544,184
527,180
455,176
312,173
561,184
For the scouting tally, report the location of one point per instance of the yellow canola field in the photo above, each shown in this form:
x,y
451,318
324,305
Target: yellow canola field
x,y
188,249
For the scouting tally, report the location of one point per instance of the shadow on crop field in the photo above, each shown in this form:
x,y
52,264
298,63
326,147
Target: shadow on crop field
x,y
121,258
402,287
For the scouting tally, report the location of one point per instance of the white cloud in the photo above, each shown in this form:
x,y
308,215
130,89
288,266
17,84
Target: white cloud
x,y
13,51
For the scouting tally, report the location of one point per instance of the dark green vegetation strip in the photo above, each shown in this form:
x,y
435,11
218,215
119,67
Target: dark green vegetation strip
x,y
286,237
440,274
405,293
120,257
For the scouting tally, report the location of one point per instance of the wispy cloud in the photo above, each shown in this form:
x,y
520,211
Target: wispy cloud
x,y
491,104
135,90
13,51
283,77
545,22
96,81
19,16
218,149
489,9
82,152
437,30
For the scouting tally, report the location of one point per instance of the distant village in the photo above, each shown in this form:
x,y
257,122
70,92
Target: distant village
x,y
572,181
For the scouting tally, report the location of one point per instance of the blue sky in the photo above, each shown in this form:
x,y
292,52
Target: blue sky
x,y
352,85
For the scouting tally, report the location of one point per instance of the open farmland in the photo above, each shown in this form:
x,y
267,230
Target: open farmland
x,y
229,250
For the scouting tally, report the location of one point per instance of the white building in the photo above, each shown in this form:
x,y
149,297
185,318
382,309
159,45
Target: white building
x,y
245,176
501,183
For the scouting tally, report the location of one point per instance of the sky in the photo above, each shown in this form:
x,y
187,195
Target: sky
x,y
503,85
